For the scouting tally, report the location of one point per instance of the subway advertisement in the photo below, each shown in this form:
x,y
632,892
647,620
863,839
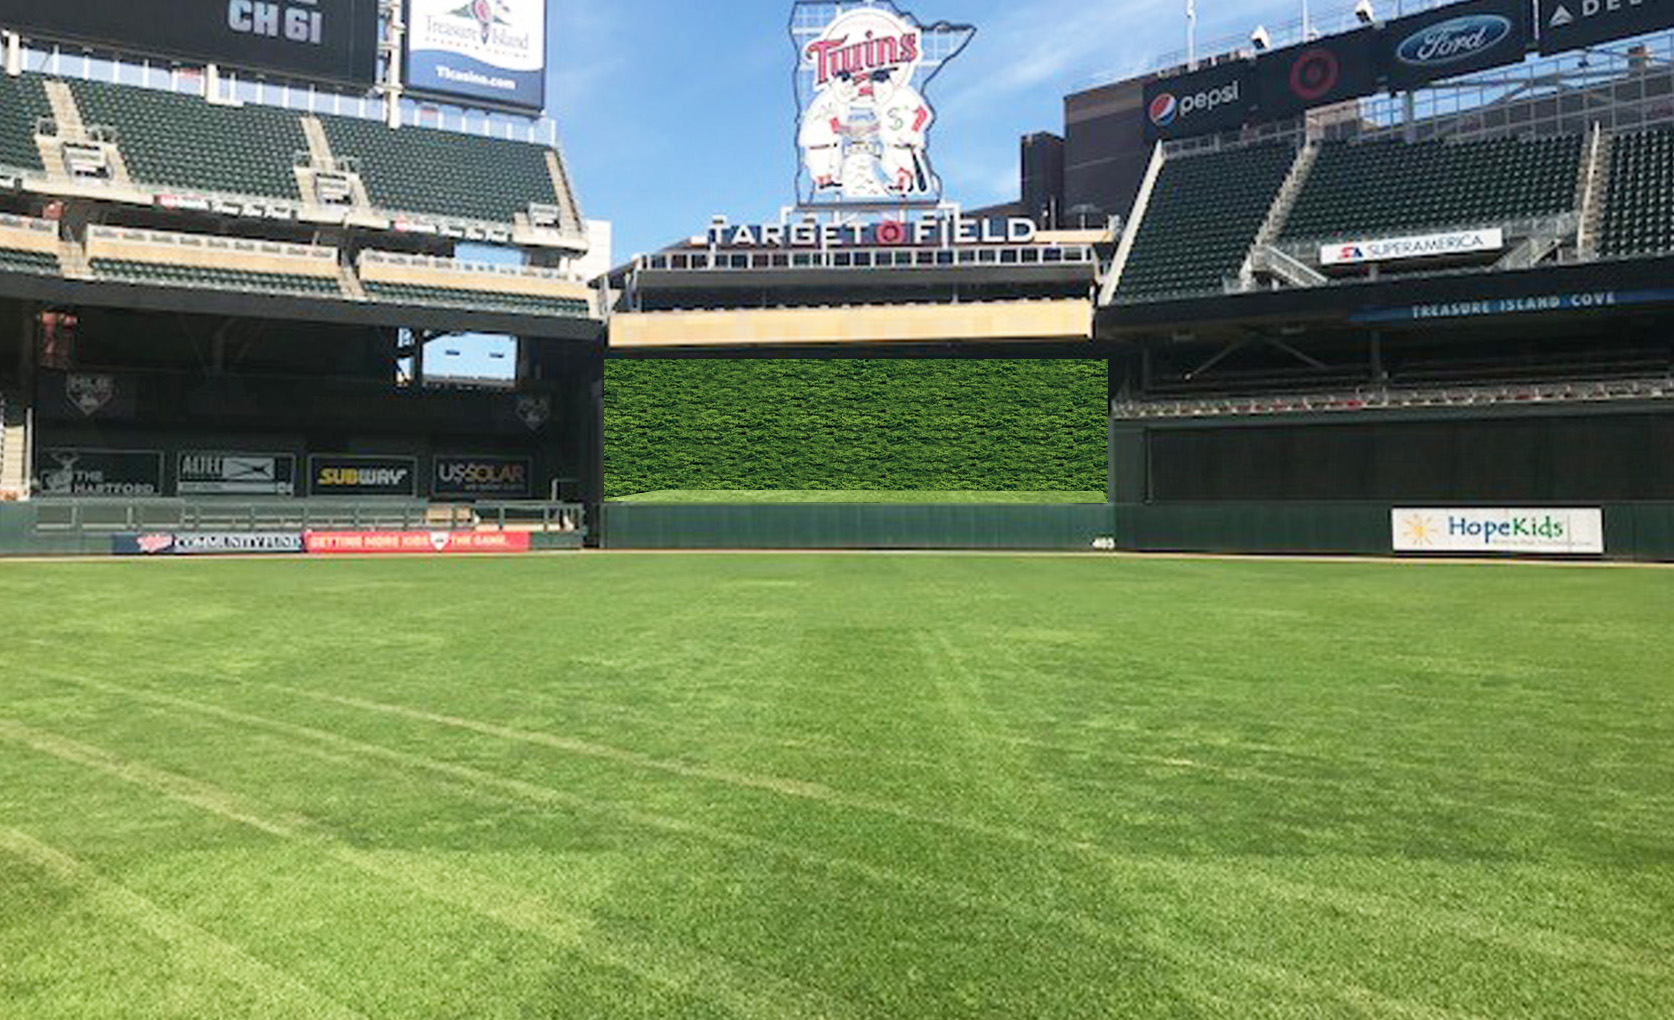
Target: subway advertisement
x,y
479,51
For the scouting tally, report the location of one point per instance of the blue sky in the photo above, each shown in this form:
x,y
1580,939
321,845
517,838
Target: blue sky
x,y
671,112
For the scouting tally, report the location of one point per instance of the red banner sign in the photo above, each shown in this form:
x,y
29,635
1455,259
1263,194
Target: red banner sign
x,y
414,543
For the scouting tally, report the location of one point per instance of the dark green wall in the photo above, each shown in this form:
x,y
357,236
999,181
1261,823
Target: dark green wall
x,y
955,424
856,526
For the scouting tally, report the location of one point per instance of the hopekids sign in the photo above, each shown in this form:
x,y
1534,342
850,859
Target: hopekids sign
x,y
1218,98
1525,532
489,51
864,123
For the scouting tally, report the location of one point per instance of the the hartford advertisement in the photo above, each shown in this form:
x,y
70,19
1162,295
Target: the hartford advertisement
x,y
1561,532
490,51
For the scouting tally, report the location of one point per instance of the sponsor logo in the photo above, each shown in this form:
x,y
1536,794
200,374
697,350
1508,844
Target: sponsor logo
x,y
1183,107
1453,41
1559,532
534,412
209,544
219,474
362,478
1398,248
1164,109
90,394
414,543
298,24
100,473
1315,74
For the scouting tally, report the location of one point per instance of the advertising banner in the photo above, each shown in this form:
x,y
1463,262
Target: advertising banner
x,y
236,474
333,40
95,474
1454,40
1220,98
1574,24
1580,301
1318,73
346,475
84,396
1424,246
1528,532
414,543
487,51
863,119
209,544
503,477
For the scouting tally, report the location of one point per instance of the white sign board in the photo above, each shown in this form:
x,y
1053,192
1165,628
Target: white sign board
x,y
1568,532
489,51
1425,246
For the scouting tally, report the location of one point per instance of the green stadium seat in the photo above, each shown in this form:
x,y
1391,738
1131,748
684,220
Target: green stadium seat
x,y
23,103
177,141
1358,190
34,262
1204,215
171,275
477,300
443,173
1639,203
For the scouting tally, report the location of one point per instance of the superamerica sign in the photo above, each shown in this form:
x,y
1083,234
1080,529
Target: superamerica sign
x,y
863,120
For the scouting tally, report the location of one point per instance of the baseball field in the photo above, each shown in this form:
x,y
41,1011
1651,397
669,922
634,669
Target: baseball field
x,y
913,787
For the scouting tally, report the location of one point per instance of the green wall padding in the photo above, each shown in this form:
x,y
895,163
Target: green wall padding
x,y
868,424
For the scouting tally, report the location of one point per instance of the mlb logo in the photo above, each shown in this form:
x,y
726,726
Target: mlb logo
x,y
154,545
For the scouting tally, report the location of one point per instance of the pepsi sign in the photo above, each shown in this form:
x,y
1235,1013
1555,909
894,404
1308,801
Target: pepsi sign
x,y
1203,102
1455,40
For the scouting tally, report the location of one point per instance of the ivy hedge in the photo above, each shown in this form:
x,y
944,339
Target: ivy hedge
x,y
864,424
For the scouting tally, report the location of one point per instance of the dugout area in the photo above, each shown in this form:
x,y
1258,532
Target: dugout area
x,y
111,391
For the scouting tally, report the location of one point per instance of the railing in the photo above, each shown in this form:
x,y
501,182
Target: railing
x,y
541,273
10,222
83,516
313,254
870,258
1389,399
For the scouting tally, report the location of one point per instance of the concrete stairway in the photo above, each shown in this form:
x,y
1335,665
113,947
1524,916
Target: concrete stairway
x,y
14,449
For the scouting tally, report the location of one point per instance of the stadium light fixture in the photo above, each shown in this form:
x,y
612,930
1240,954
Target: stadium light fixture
x,y
1261,39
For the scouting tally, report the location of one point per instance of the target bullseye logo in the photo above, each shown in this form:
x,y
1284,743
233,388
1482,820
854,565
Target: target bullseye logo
x,y
891,232
1315,75
1164,109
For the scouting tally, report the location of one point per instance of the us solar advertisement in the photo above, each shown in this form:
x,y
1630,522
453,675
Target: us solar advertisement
x,y
334,40
486,51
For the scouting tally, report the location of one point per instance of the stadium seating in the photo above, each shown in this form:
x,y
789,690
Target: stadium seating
x,y
477,300
38,262
217,263
1639,210
1203,221
218,279
28,246
441,173
22,104
1370,189
176,141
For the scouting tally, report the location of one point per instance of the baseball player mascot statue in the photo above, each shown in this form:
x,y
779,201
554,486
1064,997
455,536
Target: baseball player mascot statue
x,y
825,130
904,120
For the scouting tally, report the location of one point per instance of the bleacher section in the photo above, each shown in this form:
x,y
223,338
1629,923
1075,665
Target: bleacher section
x,y
440,173
409,279
1203,220
217,263
1639,209
177,141
28,246
1368,190
22,104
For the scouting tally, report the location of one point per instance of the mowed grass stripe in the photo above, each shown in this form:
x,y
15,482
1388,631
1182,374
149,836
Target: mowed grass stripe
x,y
448,888
751,996
276,991
1190,879
918,669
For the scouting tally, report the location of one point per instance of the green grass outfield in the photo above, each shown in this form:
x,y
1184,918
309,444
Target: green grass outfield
x,y
855,496
894,787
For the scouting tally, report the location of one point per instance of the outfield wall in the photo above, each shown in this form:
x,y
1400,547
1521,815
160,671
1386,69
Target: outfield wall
x,y
856,526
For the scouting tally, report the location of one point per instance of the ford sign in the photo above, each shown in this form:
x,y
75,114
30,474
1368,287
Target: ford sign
x,y
1452,42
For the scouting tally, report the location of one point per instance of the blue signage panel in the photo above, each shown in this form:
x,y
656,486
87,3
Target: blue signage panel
x,y
1454,40
1575,301
491,52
